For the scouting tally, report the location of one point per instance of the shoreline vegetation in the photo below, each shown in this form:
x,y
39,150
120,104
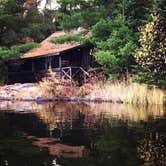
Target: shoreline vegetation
x,y
66,91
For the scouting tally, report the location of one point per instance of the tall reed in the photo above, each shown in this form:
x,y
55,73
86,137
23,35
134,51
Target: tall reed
x,y
132,93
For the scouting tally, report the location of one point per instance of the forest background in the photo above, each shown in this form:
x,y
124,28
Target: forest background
x,y
129,36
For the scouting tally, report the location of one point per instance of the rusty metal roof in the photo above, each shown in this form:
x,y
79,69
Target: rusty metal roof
x,y
47,48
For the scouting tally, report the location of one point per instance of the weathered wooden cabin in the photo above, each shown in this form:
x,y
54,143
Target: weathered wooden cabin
x,y
68,60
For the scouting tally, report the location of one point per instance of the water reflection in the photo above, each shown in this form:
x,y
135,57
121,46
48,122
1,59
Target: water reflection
x,y
64,111
58,149
85,134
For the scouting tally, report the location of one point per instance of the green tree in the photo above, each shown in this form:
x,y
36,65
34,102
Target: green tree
x,y
11,16
116,46
135,11
15,24
84,13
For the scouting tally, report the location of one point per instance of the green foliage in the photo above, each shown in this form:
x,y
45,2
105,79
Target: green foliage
x,y
87,13
14,52
37,31
147,78
114,26
113,36
137,11
23,48
16,23
107,58
115,50
69,38
66,38
152,52
143,77
81,13
102,30
6,53
159,6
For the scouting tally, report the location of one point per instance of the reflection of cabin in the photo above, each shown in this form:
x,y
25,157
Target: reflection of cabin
x,y
69,60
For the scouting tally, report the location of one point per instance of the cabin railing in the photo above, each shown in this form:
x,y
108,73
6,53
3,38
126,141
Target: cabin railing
x,y
67,73
74,73
71,73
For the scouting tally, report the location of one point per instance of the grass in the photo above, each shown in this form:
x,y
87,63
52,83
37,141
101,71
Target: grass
x,y
133,93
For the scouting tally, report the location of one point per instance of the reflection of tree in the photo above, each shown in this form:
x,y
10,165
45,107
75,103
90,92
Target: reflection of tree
x,y
117,146
152,148
143,143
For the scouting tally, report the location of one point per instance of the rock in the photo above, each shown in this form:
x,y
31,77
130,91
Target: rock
x,y
28,99
119,102
22,86
42,99
6,98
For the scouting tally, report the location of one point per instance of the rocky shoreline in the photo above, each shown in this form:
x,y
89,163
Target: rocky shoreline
x,y
31,92
62,99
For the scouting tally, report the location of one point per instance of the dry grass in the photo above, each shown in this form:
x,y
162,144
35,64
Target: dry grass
x,y
132,93
57,88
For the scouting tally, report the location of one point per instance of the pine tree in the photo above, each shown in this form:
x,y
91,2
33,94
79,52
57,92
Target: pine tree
x,y
84,13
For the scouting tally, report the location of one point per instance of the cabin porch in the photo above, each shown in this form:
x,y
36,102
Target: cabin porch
x,y
70,73
71,64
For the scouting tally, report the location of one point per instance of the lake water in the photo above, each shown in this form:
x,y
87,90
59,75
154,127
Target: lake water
x,y
71,134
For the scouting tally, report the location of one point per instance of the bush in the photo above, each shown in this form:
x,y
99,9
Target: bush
x,y
143,77
147,77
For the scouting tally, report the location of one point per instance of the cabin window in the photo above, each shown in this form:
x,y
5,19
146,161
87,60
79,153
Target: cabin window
x,y
54,62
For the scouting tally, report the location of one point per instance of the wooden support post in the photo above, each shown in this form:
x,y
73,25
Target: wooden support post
x,y
60,65
84,77
49,62
70,76
45,63
33,66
